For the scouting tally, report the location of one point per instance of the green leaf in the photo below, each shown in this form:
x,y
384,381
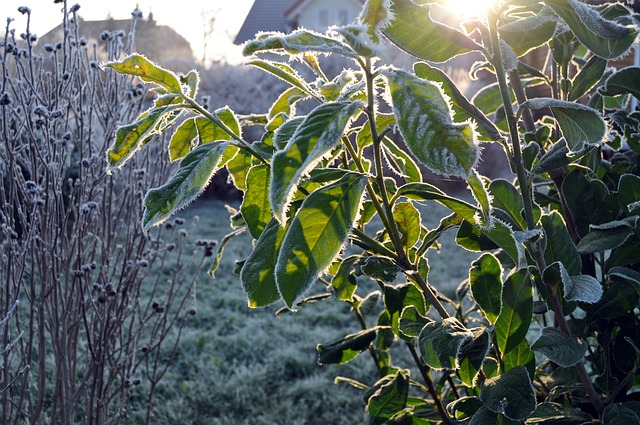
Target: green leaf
x,y
389,398
607,236
413,30
317,234
527,33
521,356
182,140
284,72
560,348
397,298
582,288
402,161
517,308
347,348
408,219
299,41
440,343
485,278
428,192
507,197
472,239
630,275
510,393
316,136
629,192
485,416
587,199
559,246
411,322
462,108
239,167
380,268
211,132
147,71
605,38
588,76
258,273
617,301
255,207
193,175
624,81
285,132
129,138
344,281
424,118
191,80
581,125
472,355
286,101
557,414
464,407
615,414
478,187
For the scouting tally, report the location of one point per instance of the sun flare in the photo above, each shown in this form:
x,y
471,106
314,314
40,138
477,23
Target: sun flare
x,y
470,8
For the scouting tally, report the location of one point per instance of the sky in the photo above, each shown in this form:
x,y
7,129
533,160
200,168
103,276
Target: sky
x,y
185,16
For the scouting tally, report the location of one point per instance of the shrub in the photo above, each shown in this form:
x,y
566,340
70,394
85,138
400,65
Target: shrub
x,y
83,319
544,329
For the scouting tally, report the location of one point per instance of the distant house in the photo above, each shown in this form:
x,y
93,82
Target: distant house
x,y
286,15
158,42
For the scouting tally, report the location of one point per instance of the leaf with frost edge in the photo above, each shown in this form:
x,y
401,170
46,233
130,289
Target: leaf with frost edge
x,y
283,189
439,158
286,243
183,187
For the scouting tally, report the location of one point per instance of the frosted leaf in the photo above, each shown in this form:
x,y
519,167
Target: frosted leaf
x,y
425,120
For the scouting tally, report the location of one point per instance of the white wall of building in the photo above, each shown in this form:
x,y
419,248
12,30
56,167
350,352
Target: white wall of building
x,y
320,14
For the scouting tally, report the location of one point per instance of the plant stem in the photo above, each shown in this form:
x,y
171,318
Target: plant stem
x,y
430,387
526,191
392,228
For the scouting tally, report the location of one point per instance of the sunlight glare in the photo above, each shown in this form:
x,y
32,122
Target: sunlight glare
x,y
470,8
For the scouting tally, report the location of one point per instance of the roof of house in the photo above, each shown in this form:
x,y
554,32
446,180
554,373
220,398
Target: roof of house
x,y
265,16
160,42
301,4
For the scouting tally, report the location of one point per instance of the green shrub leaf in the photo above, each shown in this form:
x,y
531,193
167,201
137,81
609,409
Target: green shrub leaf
x,y
286,101
344,281
320,132
258,273
485,278
558,414
411,322
182,140
560,348
297,42
605,38
511,394
615,414
413,30
527,33
255,208
462,108
284,72
583,288
581,125
211,132
402,161
517,308
440,343
347,348
316,235
193,175
472,355
559,246
146,70
390,397
424,118
588,76
521,356
624,81
397,298
607,236
409,222
129,138
506,197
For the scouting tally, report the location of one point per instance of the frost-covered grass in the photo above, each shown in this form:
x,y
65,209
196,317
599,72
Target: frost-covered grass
x,y
237,365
